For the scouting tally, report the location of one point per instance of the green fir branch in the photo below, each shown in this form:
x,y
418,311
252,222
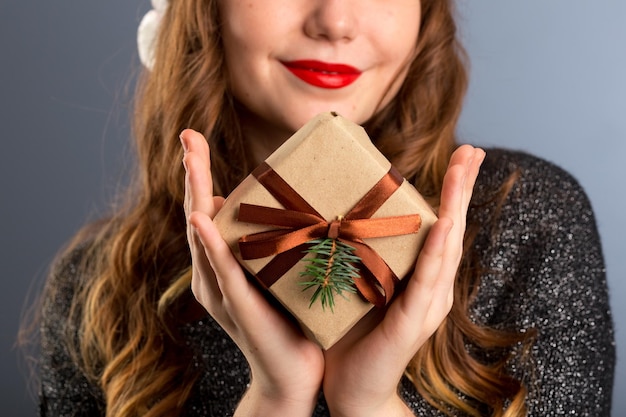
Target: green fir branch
x,y
331,271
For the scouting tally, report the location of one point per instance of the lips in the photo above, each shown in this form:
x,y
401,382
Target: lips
x,y
323,74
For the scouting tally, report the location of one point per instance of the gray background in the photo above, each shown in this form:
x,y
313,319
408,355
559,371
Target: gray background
x,y
547,77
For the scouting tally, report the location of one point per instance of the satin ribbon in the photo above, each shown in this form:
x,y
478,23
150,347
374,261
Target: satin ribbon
x,y
299,223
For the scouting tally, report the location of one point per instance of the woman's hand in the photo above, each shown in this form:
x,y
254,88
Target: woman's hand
x,y
287,369
362,370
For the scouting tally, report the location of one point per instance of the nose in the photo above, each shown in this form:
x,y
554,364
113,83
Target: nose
x,y
331,20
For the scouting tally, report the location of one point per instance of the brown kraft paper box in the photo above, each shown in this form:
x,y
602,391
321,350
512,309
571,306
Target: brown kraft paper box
x,y
331,163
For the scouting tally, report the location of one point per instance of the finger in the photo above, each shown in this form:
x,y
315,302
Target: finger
x,y
435,270
457,191
198,173
456,195
418,292
451,207
426,300
454,182
472,175
193,141
228,273
193,159
243,306
204,283
198,190
429,293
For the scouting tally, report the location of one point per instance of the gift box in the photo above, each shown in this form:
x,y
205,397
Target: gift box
x,y
329,183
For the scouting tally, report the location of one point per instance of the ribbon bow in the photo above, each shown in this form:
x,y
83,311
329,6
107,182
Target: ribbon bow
x,y
299,223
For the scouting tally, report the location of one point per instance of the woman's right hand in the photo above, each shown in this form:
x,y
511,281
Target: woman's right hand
x,y
287,369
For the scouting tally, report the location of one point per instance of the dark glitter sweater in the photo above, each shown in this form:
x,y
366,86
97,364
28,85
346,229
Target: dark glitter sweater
x,y
545,271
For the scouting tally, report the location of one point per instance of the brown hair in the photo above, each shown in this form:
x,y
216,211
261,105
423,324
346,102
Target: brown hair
x,y
138,265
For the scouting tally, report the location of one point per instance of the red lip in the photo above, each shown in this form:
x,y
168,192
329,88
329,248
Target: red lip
x,y
323,74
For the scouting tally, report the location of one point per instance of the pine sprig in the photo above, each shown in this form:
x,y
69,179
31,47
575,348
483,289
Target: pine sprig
x,y
330,271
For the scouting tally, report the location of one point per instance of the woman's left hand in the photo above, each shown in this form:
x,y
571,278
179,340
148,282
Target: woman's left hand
x,y
362,371
286,368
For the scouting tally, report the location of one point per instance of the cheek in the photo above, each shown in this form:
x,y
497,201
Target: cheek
x,y
397,55
403,43
239,30
400,53
242,61
249,25
393,35
248,51
402,30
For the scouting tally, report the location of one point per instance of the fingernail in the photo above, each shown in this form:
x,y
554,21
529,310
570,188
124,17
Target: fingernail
x,y
183,141
481,154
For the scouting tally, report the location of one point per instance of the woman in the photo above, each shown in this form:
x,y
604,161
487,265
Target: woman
x,y
506,313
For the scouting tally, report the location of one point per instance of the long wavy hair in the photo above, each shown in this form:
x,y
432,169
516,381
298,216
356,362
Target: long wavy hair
x,y
138,266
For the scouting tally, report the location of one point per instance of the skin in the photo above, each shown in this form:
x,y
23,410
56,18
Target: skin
x,y
360,374
287,369
377,37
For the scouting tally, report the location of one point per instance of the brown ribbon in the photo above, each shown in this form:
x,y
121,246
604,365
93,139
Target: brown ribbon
x,y
299,223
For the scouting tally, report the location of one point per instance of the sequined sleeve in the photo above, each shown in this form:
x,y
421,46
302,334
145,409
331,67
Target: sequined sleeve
x,y
546,271
64,391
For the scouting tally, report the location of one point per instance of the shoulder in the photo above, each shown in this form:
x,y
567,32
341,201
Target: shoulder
x,y
60,311
66,277
69,274
538,192
70,271
535,232
543,268
533,175
64,387
537,235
